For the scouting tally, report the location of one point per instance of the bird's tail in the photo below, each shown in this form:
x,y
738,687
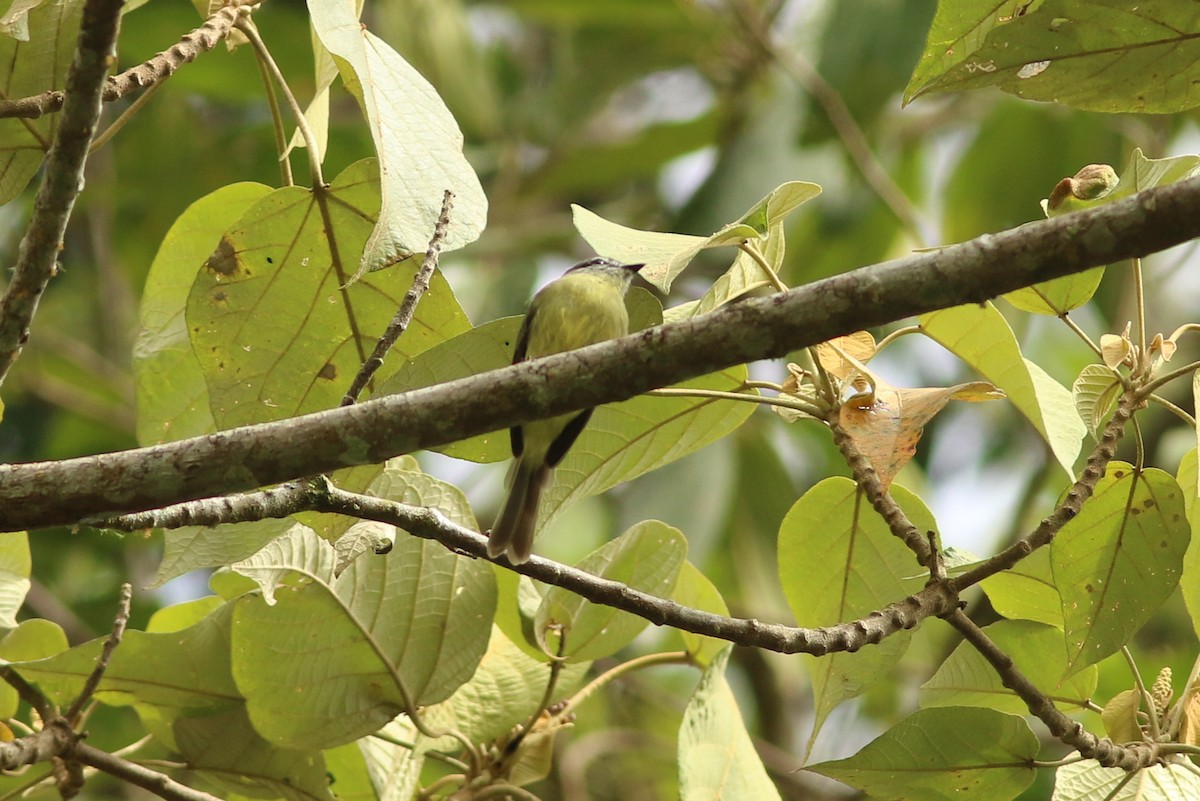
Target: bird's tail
x,y
513,531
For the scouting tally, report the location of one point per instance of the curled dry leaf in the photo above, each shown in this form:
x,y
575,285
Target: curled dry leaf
x,y
845,355
888,429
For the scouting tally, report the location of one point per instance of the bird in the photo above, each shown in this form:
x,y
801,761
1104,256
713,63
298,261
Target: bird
x,y
584,306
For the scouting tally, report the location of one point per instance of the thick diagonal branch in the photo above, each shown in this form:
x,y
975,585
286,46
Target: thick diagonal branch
x,y
52,493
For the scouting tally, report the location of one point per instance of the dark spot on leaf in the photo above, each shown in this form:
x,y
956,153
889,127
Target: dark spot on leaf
x,y
1089,588
270,260
218,297
328,372
1135,511
1118,474
1148,503
224,260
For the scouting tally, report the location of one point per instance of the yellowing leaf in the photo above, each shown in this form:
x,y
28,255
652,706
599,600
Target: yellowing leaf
x,y
1120,717
1189,730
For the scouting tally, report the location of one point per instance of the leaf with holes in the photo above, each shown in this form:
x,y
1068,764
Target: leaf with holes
x,y
1118,560
276,331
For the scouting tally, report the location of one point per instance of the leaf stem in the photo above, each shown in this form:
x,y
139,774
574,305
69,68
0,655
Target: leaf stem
x,y
246,26
1165,378
1079,332
751,250
1139,290
1177,411
648,660
716,394
1140,684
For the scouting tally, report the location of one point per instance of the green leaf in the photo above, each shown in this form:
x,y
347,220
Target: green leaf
x,y
407,486
743,276
32,639
507,689
943,754
717,759
980,336
647,557
226,749
1027,590
196,547
417,140
1061,295
340,650
15,566
1189,582
625,440
34,58
1096,55
174,671
1087,781
178,617
1096,391
838,561
270,305
172,396
666,255
1120,717
395,769
1037,650
1118,560
693,589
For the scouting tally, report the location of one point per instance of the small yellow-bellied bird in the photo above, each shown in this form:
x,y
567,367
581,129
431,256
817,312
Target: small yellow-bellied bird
x,y
586,305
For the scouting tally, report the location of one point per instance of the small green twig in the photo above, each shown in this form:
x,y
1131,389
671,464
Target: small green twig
x,y
637,663
281,139
1155,730
899,332
1079,332
716,394
120,122
1173,409
1165,378
1139,290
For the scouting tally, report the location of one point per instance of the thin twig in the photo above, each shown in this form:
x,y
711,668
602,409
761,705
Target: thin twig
x,y
106,653
37,257
408,306
881,500
429,524
160,784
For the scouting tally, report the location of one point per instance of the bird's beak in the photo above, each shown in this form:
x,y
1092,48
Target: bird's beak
x,y
633,267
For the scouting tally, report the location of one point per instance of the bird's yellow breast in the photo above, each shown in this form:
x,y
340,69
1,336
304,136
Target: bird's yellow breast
x,y
574,311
